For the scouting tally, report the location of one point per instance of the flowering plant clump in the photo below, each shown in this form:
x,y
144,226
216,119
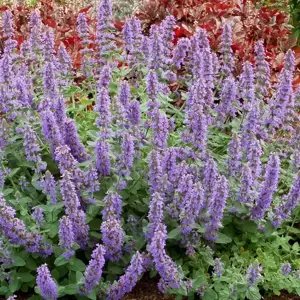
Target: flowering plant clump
x,y
104,179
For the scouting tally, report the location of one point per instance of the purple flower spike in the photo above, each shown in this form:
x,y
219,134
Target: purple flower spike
x,y
38,215
235,156
155,214
286,269
93,272
218,267
288,204
73,141
180,52
268,188
225,47
165,266
262,71
102,157
113,238
216,209
245,193
112,206
254,274
127,281
46,284
66,234
49,186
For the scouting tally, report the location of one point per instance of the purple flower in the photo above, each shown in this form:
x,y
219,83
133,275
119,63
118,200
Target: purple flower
x,y
128,35
155,214
254,274
157,50
262,71
268,188
73,141
155,169
167,35
112,206
60,116
246,86
112,238
46,284
66,160
50,130
91,180
124,94
126,282
93,272
279,104
210,173
218,267
193,203
80,228
102,157
216,208
32,147
197,125
83,29
50,83
180,52
133,112
290,61
69,194
165,266
253,154
226,51
104,35
288,204
48,41
126,158
286,269
66,234
49,186
235,156
64,62
153,87
8,32
160,128
245,193
103,109
38,215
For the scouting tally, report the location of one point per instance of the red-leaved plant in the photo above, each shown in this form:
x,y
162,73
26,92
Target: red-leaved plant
x,y
250,23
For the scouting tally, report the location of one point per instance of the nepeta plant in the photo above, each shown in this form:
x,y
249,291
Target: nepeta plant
x,y
102,179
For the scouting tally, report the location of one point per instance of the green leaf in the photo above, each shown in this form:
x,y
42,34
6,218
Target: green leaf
x,y
210,294
14,285
71,289
26,277
3,290
253,293
93,295
77,265
60,261
79,276
18,261
31,264
174,234
115,270
223,239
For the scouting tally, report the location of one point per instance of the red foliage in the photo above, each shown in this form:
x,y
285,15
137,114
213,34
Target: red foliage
x,y
62,19
250,23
